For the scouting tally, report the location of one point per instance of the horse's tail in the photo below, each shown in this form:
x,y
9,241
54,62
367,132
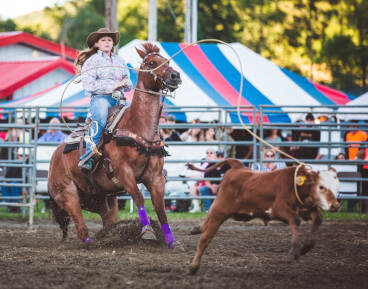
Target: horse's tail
x,y
60,216
233,163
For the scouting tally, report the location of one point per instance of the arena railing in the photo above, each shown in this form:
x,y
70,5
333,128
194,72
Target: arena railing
x,y
218,118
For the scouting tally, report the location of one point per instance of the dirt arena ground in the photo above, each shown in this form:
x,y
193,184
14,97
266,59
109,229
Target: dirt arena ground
x,y
242,255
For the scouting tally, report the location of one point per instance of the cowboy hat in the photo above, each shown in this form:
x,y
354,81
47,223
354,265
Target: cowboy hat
x,y
95,36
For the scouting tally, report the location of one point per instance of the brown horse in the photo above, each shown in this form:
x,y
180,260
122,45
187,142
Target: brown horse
x,y
71,189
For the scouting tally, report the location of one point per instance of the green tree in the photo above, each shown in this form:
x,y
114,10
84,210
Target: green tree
x,y
217,19
257,20
7,25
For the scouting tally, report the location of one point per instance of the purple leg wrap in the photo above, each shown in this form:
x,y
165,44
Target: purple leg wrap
x,y
166,231
143,218
88,240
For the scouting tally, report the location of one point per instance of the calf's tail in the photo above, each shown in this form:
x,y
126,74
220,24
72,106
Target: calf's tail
x,y
233,163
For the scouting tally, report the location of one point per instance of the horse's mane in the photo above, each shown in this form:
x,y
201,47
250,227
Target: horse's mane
x,y
149,47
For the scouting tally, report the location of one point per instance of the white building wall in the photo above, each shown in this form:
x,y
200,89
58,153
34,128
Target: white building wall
x,y
21,52
46,81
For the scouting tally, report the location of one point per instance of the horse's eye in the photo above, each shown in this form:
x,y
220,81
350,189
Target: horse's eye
x,y
321,187
151,63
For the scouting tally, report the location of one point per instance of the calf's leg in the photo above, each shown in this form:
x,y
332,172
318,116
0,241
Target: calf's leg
x,y
311,238
214,221
287,214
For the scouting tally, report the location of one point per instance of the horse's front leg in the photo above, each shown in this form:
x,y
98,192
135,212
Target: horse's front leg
x,y
127,178
156,187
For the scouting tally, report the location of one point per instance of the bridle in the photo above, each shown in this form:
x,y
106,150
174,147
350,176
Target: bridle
x,y
165,87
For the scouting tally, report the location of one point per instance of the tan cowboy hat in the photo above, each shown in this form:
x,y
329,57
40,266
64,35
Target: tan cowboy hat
x,y
94,36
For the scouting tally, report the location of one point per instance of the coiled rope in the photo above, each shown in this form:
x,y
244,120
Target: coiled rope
x,y
209,40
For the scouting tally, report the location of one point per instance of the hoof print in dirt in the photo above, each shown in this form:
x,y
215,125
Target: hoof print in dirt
x,y
125,233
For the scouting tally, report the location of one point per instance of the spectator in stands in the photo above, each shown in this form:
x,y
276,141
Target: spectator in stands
x,y
243,151
172,134
329,134
290,150
274,138
194,189
53,134
15,173
211,187
341,156
269,164
18,135
226,135
364,170
307,135
193,134
210,134
357,136
3,135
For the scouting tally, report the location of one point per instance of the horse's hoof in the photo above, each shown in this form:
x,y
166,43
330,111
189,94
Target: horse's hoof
x,y
193,269
293,256
148,233
88,240
176,245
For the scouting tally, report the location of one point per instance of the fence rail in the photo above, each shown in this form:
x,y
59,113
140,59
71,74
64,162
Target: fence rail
x,y
30,122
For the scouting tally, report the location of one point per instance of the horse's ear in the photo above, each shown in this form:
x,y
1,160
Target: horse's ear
x,y
141,53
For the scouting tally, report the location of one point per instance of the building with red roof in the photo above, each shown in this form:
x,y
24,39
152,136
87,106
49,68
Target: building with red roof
x,y
29,64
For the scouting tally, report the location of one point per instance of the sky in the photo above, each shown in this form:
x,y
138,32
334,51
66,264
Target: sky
x,y
14,8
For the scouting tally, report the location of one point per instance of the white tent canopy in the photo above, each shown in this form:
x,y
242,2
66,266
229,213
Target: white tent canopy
x,y
356,109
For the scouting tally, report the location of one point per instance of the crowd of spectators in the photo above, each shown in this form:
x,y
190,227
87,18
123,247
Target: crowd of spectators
x,y
305,134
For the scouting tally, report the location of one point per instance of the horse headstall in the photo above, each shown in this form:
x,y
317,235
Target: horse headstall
x,y
154,75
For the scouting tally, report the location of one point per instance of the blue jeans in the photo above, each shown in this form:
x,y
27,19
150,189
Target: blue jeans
x,y
206,191
99,108
11,192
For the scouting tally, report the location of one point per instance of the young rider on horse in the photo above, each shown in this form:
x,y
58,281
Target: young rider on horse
x,y
104,85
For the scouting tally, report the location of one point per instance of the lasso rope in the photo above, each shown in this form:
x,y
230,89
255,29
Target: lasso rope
x,y
238,104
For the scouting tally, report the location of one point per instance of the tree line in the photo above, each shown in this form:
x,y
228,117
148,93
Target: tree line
x,y
324,40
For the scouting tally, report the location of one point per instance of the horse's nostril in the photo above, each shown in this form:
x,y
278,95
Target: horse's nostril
x,y
173,76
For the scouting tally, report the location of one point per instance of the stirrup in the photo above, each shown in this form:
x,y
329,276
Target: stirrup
x,y
86,164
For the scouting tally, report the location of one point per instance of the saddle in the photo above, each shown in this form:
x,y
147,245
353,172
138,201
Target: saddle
x,y
114,116
123,138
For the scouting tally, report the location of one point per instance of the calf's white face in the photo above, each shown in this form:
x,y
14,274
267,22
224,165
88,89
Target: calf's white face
x,y
327,190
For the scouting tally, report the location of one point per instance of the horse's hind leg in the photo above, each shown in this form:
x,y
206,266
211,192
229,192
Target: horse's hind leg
x,y
67,198
109,211
61,217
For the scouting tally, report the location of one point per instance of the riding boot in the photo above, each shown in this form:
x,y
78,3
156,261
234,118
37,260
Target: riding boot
x,y
86,161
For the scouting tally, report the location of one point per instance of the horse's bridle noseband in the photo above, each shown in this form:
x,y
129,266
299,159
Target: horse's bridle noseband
x,y
154,75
